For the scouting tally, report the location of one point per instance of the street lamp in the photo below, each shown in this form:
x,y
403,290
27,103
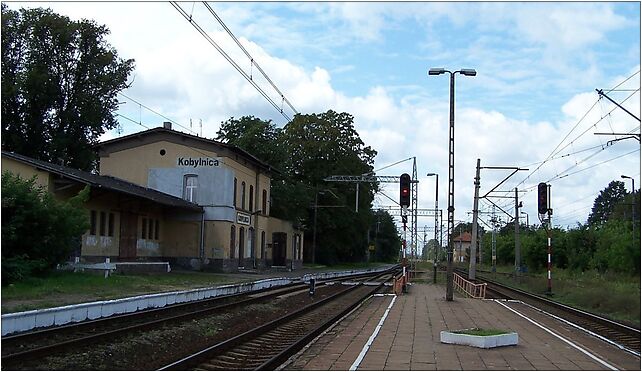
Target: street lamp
x,y
527,224
451,172
434,264
632,200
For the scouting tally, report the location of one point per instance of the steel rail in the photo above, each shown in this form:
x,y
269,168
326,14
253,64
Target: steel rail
x,y
278,350
622,334
211,305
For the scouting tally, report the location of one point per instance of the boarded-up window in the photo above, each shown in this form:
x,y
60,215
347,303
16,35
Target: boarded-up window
x,y
150,230
156,229
232,241
92,221
110,225
103,222
243,195
235,190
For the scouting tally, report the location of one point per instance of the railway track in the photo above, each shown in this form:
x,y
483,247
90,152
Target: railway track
x,y
268,346
625,336
34,345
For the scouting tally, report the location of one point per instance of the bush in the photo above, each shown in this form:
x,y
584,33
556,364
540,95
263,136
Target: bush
x,y
38,231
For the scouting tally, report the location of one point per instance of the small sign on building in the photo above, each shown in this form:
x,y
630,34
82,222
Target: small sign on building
x,y
242,218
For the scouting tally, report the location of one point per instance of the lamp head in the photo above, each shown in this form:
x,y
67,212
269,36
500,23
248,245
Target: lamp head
x,y
468,72
623,176
431,174
436,71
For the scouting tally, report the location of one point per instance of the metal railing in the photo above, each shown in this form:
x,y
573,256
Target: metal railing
x,y
469,288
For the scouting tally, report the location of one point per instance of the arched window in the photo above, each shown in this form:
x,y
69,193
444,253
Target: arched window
x,y
262,245
264,205
235,182
243,195
232,241
251,198
241,244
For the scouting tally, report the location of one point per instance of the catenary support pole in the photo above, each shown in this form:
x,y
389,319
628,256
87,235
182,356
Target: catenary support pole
x,y
473,242
518,265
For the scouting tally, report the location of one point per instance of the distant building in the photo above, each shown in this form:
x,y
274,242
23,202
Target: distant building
x,y
167,195
461,246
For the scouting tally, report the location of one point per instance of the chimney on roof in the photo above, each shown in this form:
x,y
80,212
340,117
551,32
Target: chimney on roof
x,y
167,125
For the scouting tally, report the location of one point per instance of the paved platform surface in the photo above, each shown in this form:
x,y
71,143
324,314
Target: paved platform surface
x,y
409,338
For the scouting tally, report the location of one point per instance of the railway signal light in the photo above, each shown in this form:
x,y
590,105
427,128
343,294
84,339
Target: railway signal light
x,y
404,190
542,198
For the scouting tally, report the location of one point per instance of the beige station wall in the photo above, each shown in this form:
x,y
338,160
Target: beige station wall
x,y
133,164
26,172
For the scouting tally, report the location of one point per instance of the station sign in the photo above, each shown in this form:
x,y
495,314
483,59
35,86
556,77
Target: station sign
x,y
204,162
243,218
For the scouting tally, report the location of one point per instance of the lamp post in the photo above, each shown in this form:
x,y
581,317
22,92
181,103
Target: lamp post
x,y
527,224
451,172
632,200
434,263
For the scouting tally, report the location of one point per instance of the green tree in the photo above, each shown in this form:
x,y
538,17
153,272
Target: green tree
x,y
258,137
38,231
320,145
60,79
386,238
605,202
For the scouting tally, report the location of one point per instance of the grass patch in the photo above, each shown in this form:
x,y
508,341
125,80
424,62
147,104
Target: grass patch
x,y
611,295
481,332
64,288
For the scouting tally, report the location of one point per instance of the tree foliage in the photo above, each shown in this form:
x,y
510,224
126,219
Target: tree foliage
x,y
308,149
605,202
38,231
385,237
609,242
60,79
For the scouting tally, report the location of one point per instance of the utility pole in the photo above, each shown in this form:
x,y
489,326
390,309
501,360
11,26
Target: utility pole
x,y
473,242
518,266
493,220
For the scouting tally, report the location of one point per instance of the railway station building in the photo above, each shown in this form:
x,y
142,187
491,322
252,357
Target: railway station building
x,y
164,195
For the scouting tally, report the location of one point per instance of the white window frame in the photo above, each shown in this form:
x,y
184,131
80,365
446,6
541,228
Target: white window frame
x,y
190,188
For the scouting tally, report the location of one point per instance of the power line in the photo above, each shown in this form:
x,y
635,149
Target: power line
x,y
252,61
556,151
157,113
228,58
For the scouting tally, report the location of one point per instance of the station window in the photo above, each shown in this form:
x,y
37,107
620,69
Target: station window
x,y
232,241
243,195
143,234
264,204
190,184
262,245
156,229
103,222
150,229
92,221
110,225
235,190
251,206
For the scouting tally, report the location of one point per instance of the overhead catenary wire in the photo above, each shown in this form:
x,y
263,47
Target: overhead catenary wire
x,y
228,58
252,60
157,113
556,150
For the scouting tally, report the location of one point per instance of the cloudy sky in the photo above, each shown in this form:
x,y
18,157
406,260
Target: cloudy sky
x,y
532,104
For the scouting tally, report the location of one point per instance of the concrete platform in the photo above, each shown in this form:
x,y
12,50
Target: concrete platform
x,y
408,338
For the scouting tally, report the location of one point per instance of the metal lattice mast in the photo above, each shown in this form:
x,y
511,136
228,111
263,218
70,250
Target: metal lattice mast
x,y
414,186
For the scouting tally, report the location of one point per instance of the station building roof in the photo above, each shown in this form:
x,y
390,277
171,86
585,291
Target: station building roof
x,y
169,135
105,182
